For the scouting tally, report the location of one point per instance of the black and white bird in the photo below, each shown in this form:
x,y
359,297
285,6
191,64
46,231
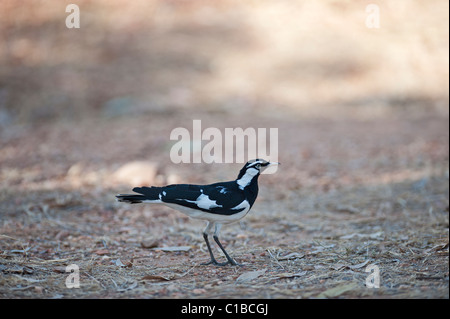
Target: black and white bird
x,y
218,204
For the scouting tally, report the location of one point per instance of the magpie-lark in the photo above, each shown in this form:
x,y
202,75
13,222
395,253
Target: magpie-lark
x,y
218,204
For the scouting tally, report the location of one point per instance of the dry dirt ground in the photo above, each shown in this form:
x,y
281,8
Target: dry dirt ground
x,y
349,194
363,124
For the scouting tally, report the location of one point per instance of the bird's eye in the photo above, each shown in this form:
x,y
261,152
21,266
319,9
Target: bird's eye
x,y
258,166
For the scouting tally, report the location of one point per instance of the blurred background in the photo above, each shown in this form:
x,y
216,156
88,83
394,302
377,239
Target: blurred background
x,y
230,56
350,100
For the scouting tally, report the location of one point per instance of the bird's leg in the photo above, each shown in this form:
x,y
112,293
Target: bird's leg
x,y
216,239
213,260
205,237
229,259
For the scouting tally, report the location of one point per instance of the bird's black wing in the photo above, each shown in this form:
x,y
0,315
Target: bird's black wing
x,y
221,198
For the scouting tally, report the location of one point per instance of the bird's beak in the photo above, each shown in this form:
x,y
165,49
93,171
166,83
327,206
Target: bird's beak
x,y
269,168
274,163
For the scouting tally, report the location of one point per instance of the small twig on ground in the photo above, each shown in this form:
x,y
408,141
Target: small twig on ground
x,y
274,258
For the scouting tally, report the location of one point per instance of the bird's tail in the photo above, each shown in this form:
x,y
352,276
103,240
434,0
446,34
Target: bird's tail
x,y
149,194
131,199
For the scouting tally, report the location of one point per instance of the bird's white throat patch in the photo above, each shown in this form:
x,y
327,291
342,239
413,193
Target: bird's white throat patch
x,y
245,180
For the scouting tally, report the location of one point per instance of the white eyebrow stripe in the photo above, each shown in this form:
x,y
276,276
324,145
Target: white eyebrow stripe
x,y
256,163
251,165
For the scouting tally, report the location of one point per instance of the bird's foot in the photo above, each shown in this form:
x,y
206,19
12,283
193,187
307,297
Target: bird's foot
x,y
216,263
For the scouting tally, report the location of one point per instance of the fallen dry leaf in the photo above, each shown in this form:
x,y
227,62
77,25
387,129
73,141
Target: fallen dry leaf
x,y
149,243
198,291
29,279
102,252
291,256
289,275
173,248
337,291
119,263
133,285
358,266
347,209
340,266
377,235
16,269
156,277
249,276
59,269
166,278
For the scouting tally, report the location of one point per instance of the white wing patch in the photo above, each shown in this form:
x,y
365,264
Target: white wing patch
x,y
203,201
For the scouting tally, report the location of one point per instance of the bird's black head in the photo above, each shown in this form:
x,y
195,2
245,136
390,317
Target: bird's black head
x,y
255,167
